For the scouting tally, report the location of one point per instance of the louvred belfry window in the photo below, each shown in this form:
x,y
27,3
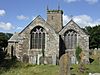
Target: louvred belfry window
x,y
38,38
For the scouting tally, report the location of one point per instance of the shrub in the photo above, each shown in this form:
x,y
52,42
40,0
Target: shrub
x,y
78,51
2,54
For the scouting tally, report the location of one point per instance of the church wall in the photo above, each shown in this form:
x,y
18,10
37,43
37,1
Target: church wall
x,y
23,50
82,39
9,48
51,43
84,44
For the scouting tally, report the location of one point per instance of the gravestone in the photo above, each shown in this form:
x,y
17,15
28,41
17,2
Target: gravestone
x,y
64,64
34,59
25,58
54,59
84,58
39,58
73,59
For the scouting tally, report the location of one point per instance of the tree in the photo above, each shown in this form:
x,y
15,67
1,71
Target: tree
x,y
94,33
3,44
3,41
2,54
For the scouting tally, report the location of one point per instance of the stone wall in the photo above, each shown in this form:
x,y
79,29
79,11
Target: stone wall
x,y
51,41
82,38
13,45
55,19
54,29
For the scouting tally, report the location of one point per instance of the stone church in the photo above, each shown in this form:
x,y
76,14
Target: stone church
x,y
44,41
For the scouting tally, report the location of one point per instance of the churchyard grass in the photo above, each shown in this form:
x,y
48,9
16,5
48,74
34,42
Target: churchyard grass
x,y
33,70
90,68
18,68
29,69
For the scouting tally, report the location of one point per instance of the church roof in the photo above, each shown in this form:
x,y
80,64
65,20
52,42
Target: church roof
x,y
72,25
14,38
38,17
38,21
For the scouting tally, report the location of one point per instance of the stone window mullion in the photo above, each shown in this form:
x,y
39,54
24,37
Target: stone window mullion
x,y
38,41
34,40
74,40
70,41
41,39
70,38
37,38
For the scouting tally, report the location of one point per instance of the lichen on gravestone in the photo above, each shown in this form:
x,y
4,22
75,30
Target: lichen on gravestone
x,y
64,64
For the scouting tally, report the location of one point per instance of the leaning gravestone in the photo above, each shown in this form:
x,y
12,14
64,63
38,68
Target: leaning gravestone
x,y
64,64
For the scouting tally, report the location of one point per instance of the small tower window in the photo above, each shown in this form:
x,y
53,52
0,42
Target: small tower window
x,y
52,17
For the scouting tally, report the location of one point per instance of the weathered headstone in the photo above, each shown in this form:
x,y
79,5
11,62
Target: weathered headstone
x,y
64,64
73,60
34,59
84,58
25,58
54,59
95,51
39,58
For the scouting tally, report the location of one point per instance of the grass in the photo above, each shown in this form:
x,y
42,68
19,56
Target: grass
x,y
88,69
28,69
33,70
9,67
94,67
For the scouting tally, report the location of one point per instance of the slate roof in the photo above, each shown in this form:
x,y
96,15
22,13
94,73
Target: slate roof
x,y
14,38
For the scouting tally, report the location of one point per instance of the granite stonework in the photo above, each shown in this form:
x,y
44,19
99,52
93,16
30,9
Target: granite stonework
x,y
21,41
55,19
82,38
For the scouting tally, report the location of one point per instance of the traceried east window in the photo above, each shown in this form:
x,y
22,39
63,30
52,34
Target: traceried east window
x,y
38,38
70,38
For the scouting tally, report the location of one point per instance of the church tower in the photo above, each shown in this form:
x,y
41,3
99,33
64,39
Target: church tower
x,y
55,19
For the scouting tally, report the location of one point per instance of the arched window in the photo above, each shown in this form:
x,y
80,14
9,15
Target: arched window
x,y
38,38
70,38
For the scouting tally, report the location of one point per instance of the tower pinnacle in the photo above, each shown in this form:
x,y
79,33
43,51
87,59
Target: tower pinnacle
x,y
58,5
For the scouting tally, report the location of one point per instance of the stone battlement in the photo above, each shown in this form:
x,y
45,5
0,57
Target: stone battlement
x,y
55,11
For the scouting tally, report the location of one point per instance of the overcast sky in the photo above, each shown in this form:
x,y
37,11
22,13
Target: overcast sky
x,y
16,14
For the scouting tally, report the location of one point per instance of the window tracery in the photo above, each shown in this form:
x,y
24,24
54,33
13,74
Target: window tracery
x,y
38,38
70,38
